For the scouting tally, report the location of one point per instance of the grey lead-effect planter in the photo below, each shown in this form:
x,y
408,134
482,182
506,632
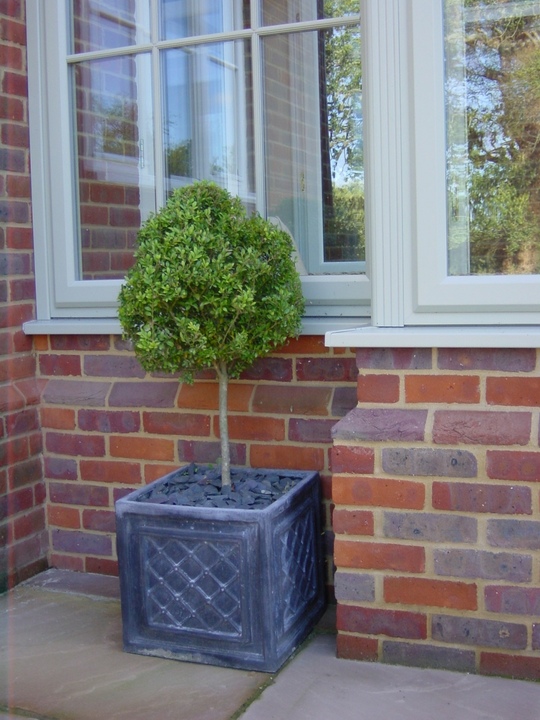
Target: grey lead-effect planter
x,y
239,588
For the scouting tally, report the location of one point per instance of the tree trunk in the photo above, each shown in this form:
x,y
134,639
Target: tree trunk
x,y
223,377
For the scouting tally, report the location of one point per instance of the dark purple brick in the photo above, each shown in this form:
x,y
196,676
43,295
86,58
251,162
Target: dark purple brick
x,y
482,564
351,587
428,656
84,343
375,621
73,541
106,366
270,368
513,600
60,468
514,534
144,394
332,369
497,359
378,425
209,452
394,359
66,444
113,421
26,472
307,430
344,400
482,633
536,636
76,392
426,527
78,494
429,462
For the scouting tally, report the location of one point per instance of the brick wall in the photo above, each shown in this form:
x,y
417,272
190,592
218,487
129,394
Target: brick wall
x,y
109,428
22,516
436,485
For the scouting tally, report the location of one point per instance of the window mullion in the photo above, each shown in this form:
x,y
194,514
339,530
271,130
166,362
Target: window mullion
x,y
385,75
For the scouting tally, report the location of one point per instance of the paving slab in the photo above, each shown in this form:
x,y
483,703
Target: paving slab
x,y
317,685
61,657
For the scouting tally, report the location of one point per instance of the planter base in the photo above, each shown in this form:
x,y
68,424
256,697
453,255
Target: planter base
x,y
237,588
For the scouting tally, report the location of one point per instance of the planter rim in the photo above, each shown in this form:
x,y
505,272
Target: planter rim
x,y
131,504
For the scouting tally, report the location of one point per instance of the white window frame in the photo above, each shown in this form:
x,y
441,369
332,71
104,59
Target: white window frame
x,y
413,300
64,302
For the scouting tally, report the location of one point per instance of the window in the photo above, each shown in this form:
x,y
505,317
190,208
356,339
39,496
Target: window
x,y
295,105
262,96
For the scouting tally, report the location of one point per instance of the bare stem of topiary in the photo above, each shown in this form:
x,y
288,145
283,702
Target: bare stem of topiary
x,y
223,376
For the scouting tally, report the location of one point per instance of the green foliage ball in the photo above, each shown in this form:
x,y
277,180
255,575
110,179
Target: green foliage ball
x,y
210,287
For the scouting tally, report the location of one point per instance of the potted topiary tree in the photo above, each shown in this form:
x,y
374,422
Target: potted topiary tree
x,y
216,565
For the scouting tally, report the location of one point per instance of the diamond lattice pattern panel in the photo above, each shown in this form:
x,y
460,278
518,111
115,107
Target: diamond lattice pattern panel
x,y
193,585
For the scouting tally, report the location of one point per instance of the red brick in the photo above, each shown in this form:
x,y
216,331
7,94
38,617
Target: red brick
x,y
352,459
515,666
513,466
155,471
373,621
60,365
481,428
110,472
513,391
286,457
143,448
66,517
378,492
442,389
481,498
67,562
378,388
352,522
29,524
424,591
352,647
101,566
378,556
305,345
247,427
175,423
205,396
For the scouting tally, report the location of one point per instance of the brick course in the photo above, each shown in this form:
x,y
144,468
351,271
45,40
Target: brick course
x,y
437,506
22,493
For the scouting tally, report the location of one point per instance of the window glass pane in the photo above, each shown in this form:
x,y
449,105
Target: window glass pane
x,y
313,145
186,18
276,12
208,117
493,121
115,160
102,25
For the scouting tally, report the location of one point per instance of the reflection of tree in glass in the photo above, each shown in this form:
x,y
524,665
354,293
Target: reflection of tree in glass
x,y
343,149
503,118
116,127
179,160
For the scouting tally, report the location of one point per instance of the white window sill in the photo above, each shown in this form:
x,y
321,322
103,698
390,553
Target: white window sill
x,y
111,326
503,336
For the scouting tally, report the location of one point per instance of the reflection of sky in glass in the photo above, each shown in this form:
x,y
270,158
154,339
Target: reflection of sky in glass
x,y
185,18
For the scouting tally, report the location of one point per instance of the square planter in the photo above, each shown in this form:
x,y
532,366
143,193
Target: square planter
x,y
239,588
